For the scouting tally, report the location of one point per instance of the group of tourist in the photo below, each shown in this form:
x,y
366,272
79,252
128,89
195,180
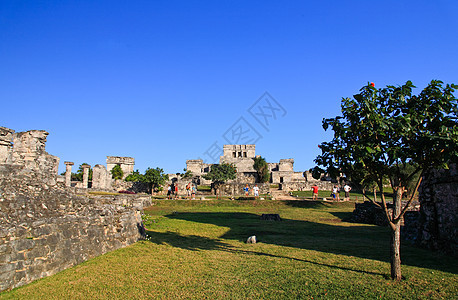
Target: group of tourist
x,y
172,191
335,192
255,190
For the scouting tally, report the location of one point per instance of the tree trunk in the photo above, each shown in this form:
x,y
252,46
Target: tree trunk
x,y
396,236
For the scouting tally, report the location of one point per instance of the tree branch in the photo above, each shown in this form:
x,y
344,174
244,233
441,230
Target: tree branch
x,y
404,210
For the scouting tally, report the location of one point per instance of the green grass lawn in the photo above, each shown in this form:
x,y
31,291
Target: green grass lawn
x,y
196,249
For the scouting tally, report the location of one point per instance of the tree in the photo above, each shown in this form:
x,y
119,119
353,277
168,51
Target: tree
x,y
392,133
117,172
187,174
262,168
78,176
155,178
220,174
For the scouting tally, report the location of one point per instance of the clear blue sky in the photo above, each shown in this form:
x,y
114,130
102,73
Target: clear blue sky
x,y
162,81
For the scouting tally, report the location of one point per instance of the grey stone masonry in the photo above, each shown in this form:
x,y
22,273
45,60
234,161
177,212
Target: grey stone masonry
x,y
126,163
68,173
45,229
438,223
6,144
29,151
101,178
85,175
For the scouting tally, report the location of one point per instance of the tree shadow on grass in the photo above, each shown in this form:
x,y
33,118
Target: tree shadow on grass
x,y
197,243
364,241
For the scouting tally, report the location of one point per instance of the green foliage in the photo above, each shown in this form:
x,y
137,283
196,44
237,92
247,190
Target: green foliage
x,y
392,133
382,130
78,176
187,174
155,178
221,173
117,172
261,167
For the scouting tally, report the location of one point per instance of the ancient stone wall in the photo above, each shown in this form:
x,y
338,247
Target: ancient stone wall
x,y
306,185
29,151
45,229
236,189
439,210
101,178
239,151
6,145
126,163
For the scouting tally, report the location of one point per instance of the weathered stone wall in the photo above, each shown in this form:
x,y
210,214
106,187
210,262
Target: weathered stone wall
x,y
306,185
236,189
236,151
126,163
6,145
45,229
286,165
29,151
439,210
101,178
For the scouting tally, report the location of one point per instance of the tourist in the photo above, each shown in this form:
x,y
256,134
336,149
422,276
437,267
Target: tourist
x,y
188,190
256,191
176,191
347,190
315,192
193,192
169,192
338,193
334,192
247,190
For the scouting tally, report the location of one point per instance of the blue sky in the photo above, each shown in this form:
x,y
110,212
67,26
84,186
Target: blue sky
x,y
165,81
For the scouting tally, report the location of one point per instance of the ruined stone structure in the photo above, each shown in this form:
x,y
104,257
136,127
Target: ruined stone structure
x,y
45,227
126,164
438,222
28,149
242,156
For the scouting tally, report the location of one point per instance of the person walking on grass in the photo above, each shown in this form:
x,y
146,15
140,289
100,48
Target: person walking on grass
x,y
347,190
315,192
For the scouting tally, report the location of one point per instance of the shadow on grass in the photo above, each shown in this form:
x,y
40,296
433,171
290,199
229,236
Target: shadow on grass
x,y
196,243
364,241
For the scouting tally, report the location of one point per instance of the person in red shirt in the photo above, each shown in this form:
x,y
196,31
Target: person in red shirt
x,y
315,192
176,191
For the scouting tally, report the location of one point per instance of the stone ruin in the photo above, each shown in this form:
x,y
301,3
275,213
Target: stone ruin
x,y
438,221
281,173
46,227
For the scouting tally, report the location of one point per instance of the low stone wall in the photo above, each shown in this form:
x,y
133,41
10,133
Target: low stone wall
x,y
236,189
46,229
306,185
438,223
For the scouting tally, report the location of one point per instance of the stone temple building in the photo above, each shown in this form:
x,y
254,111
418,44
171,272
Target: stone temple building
x,y
242,157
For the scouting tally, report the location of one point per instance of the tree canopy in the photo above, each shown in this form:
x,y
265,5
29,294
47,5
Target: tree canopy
x,y
155,178
262,168
392,133
221,173
78,176
117,172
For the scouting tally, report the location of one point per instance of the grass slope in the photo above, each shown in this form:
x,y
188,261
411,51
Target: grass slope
x,y
196,249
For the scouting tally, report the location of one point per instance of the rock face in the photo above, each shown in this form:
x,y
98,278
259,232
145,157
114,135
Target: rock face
x,y
438,222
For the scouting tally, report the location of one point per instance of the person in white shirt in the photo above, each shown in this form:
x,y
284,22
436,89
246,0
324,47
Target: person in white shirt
x,y
256,191
347,190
